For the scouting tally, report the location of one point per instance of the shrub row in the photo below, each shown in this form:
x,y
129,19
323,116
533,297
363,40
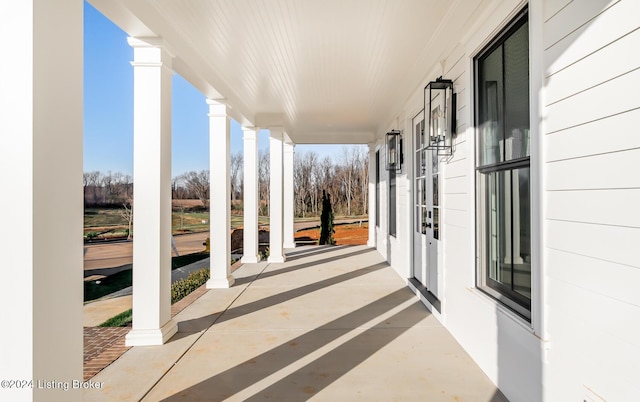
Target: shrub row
x,y
179,290
183,287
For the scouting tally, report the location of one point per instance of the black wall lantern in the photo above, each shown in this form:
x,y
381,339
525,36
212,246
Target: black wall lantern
x,y
440,114
394,150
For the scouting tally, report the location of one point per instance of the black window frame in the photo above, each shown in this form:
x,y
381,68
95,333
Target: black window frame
x,y
507,296
392,226
378,188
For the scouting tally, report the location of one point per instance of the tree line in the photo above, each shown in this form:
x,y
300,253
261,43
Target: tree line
x,y
344,177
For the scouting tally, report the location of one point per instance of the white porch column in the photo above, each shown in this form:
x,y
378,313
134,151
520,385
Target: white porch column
x,y
251,199
371,242
289,210
41,160
276,253
152,323
220,194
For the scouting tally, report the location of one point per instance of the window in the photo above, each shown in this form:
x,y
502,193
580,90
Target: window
x,y
392,202
502,167
378,188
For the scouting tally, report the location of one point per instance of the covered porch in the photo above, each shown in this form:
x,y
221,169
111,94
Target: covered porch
x,y
329,323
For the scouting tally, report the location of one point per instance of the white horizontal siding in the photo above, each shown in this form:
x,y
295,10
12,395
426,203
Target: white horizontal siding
x,y
613,97
604,363
457,185
607,279
592,220
458,202
602,207
612,61
455,217
572,17
607,171
614,23
552,7
608,243
614,133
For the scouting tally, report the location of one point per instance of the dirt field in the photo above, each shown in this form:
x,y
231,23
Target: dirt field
x,y
344,234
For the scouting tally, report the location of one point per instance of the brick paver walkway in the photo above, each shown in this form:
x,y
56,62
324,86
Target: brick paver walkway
x,y
103,346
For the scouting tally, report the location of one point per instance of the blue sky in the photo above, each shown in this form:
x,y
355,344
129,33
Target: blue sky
x,y
108,108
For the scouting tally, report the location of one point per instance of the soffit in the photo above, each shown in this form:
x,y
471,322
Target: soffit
x,y
331,71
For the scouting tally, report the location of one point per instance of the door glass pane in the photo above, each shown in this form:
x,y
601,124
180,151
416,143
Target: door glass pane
x,y
435,190
424,220
436,223
434,161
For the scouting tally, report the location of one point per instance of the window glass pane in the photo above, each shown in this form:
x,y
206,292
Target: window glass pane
x,y
496,228
503,173
522,232
516,87
509,229
490,108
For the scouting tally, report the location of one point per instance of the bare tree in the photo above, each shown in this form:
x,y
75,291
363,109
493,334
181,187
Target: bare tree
x,y
304,181
127,214
237,163
263,180
197,183
92,183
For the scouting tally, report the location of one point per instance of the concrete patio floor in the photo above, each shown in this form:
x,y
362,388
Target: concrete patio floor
x,y
330,324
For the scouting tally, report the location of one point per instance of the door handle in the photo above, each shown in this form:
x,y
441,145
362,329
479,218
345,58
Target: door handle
x,y
428,225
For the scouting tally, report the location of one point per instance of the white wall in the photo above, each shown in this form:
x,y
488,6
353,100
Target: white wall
x,y
503,344
592,160
583,342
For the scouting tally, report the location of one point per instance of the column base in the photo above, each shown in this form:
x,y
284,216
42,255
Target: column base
x,y
250,259
276,258
289,245
220,283
151,337
371,243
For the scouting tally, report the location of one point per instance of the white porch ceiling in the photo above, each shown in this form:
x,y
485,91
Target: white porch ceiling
x,y
330,71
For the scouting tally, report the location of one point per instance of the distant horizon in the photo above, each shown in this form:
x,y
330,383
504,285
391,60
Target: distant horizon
x,y
108,109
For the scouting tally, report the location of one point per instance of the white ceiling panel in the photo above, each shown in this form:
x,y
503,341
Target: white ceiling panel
x,y
331,71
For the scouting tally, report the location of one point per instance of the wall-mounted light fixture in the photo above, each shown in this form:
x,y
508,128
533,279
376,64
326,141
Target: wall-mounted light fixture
x,y
440,113
394,150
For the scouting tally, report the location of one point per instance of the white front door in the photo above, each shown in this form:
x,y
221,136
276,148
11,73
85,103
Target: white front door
x,y
420,199
426,226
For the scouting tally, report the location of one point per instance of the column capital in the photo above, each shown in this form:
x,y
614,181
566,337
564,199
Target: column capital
x,y
151,52
276,132
289,147
250,133
218,108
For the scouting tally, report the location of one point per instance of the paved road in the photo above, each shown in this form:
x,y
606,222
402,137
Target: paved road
x,y
115,254
104,258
